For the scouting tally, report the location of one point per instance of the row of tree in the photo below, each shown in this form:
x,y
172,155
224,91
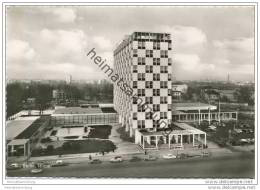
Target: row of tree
x,y
18,93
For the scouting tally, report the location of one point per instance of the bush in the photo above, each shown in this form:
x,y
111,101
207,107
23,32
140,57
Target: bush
x,y
50,148
46,140
124,135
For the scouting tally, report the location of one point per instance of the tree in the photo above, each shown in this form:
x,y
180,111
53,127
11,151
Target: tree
x,y
15,94
244,94
43,96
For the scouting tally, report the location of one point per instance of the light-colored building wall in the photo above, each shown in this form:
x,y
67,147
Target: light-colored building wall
x,y
137,59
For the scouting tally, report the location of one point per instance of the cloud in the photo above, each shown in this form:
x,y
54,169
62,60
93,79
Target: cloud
x,y
239,44
63,43
102,42
191,65
65,15
20,50
186,37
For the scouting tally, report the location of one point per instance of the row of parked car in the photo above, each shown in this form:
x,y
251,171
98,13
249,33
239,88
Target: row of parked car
x,y
118,159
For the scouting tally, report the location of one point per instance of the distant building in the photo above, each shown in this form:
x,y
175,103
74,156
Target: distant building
x,y
210,95
178,90
229,95
58,95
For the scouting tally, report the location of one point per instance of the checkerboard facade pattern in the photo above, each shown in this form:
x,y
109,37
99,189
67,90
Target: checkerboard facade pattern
x,y
143,61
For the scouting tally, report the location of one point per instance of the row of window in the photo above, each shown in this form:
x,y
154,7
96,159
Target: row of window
x,y
149,100
149,53
156,61
149,69
156,45
149,115
156,92
141,123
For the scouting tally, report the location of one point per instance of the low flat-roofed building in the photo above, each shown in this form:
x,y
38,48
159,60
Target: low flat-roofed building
x,y
197,112
87,114
15,127
175,137
18,147
23,133
187,106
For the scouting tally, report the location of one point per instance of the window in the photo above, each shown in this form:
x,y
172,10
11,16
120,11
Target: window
x,y
170,107
141,92
141,108
141,76
169,77
163,115
156,92
135,100
163,84
169,92
148,115
149,84
169,61
135,53
141,61
156,61
169,46
156,107
141,45
149,69
134,68
163,69
134,116
156,124
156,45
163,100
149,53
164,54
141,124
134,84
156,77
148,100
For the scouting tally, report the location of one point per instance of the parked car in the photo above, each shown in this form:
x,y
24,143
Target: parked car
x,y
59,163
135,159
116,159
169,156
150,158
205,154
14,166
182,156
36,171
95,161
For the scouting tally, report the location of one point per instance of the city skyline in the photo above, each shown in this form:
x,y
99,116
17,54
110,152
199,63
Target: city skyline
x,y
205,46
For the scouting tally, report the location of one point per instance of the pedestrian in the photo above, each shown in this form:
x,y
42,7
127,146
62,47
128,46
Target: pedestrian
x,y
89,157
145,152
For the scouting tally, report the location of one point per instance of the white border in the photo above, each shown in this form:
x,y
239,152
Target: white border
x,y
33,181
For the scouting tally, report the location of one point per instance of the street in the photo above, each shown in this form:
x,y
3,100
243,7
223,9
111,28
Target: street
x,y
230,166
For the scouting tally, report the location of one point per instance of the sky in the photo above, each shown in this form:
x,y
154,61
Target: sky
x,y
51,42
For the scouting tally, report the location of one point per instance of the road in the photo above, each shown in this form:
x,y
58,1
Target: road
x,y
231,166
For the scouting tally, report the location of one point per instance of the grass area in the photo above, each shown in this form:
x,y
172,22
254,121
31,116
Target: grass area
x,y
77,147
124,135
100,131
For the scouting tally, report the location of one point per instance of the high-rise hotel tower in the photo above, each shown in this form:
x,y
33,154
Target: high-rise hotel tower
x,y
143,62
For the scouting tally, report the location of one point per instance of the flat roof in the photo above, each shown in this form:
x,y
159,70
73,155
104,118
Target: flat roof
x,y
184,129
31,130
18,142
77,110
185,106
16,127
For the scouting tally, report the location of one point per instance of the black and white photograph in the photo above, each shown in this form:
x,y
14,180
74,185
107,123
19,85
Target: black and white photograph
x,y
130,91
